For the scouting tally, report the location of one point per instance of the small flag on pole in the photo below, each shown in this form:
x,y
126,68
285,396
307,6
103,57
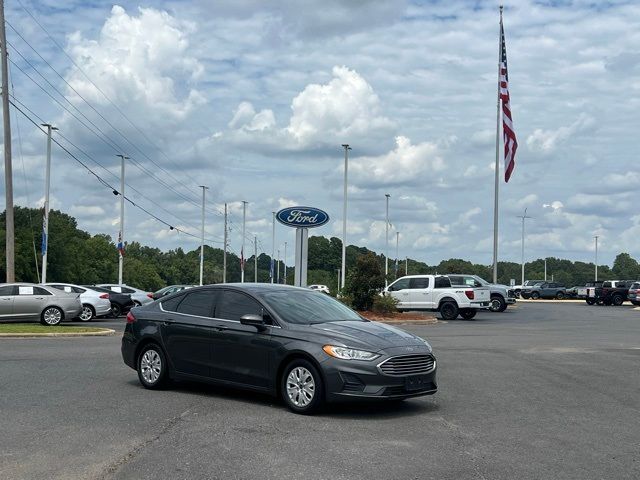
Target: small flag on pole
x,y
508,133
242,259
120,244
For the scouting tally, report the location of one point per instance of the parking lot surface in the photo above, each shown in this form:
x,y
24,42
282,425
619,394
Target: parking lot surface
x,y
539,391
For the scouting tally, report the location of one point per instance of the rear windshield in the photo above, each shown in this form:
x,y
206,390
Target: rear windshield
x,y
308,307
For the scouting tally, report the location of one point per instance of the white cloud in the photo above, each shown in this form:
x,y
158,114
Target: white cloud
x,y
548,140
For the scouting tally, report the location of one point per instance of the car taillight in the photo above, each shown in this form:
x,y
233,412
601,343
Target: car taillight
x,y
470,295
150,295
104,295
131,317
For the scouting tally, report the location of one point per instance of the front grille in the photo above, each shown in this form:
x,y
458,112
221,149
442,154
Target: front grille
x,y
408,365
511,294
400,390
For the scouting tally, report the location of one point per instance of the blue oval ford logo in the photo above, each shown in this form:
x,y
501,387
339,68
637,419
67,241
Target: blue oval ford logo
x,y
303,217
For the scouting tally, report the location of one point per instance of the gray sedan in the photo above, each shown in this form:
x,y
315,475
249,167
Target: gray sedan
x,y
30,302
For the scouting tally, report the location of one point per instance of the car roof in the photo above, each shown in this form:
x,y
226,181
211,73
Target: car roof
x,y
257,287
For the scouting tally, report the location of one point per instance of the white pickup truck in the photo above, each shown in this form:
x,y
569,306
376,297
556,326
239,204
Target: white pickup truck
x,y
435,293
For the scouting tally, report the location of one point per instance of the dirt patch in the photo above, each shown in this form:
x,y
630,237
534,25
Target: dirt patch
x,y
413,318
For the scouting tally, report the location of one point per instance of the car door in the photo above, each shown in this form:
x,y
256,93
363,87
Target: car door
x,y
240,353
420,293
400,291
27,303
186,331
7,294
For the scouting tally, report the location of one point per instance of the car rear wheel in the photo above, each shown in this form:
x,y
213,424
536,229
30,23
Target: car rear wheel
x,y
87,313
560,296
497,304
449,311
467,313
535,295
301,387
116,311
51,316
617,300
152,367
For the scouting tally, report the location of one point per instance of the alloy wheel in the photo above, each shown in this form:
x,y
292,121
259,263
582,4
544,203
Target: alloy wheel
x,y
52,316
86,314
151,366
301,386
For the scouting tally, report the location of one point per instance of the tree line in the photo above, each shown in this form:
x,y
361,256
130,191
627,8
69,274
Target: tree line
x,y
75,256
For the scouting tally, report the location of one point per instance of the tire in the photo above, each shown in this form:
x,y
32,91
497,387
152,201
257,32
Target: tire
x,y
497,304
607,302
51,316
560,296
116,311
590,301
449,310
635,303
467,313
152,367
535,296
87,313
617,300
526,296
301,387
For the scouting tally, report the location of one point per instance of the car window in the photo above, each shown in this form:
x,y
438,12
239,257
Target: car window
x,y
78,290
7,290
606,284
41,291
419,283
115,289
198,303
25,290
442,282
171,304
127,290
308,307
401,284
456,280
233,305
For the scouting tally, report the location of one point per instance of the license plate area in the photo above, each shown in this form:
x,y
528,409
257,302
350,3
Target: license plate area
x,y
417,382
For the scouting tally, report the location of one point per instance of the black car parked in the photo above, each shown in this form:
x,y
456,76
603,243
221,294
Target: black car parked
x,y
294,342
121,303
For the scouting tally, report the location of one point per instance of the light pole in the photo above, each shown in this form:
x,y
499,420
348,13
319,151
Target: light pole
x,y
255,258
338,270
386,251
224,254
285,263
47,186
397,242
202,239
344,215
596,239
523,217
278,268
273,248
545,269
121,234
244,225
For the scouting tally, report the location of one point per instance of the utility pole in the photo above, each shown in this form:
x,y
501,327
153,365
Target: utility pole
x,y
545,269
8,170
121,235
224,255
338,270
344,214
273,248
285,263
255,258
47,187
386,251
596,239
406,266
202,239
523,217
397,242
278,268
244,225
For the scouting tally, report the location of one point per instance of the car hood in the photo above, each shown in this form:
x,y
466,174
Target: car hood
x,y
371,335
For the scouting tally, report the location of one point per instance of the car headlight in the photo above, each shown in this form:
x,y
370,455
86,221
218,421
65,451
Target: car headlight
x,y
344,353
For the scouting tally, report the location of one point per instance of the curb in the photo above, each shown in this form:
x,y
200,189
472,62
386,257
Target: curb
x,y
104,332
542,300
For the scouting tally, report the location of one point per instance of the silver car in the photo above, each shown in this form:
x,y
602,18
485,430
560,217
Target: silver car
x,y
28,301
139,297
94,303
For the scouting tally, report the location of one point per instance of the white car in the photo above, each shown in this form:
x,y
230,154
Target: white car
x,y
320,288
139,297
94,304
435,293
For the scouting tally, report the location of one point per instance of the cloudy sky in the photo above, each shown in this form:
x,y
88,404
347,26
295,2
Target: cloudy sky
x,y
254,98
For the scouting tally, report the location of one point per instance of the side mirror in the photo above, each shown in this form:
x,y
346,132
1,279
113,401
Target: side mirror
x,y
253,320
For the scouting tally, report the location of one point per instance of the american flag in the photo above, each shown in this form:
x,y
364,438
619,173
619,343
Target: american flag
x,y
508,134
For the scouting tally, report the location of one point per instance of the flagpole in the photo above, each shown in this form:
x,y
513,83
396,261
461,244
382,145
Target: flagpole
x,y
497,169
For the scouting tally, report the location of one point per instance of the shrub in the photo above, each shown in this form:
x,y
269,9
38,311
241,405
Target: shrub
x,y
386,304
365,280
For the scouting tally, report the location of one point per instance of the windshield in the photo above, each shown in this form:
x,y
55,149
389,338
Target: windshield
x,y
308,307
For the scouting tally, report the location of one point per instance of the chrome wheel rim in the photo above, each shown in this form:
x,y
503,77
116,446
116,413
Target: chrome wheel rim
x,y
495,305
86,314
150,366
301,387
52,316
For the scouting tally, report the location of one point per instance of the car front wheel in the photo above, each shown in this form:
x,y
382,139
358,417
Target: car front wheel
x,y
497,304
449,311
301,387
535,295
152,367
467,313
87,313
51,316
617,300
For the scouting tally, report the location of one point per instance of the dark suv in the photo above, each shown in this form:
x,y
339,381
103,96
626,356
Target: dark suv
x,y
545,290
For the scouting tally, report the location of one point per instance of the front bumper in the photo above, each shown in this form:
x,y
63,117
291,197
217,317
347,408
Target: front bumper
x,y
510,300
349,380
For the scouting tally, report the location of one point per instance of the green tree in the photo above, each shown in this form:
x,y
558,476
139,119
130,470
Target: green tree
x,y
625,267
364,281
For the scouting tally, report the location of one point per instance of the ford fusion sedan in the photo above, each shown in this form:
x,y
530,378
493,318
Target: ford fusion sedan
x,y
299,344
29,302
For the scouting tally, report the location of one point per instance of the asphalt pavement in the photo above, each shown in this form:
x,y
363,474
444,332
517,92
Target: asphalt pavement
x,y
540,391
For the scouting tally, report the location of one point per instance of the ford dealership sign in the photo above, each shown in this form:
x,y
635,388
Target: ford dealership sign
x,y
302,217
